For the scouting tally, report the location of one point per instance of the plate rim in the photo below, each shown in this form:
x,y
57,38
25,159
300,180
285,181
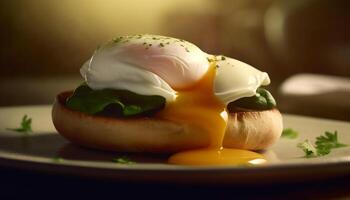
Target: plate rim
x,y
322,168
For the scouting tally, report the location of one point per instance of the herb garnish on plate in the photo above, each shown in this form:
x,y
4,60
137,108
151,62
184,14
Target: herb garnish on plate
x,y
25,126
123,160
323,145
289,133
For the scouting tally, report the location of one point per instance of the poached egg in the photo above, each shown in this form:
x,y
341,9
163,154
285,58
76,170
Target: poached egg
x,y
146,64
235,79
196,85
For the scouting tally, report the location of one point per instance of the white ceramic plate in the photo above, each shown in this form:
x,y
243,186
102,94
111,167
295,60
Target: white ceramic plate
x,y
39,150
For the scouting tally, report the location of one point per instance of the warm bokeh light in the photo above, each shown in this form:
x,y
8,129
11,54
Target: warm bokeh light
x,y
50,40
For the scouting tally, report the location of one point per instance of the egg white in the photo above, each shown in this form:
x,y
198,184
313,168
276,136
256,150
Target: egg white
x,y
125,77
146,64
235,79
159,65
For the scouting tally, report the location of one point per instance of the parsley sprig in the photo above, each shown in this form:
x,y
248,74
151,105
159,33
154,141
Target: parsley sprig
x,y
323,145
123,160
289,133
57,159
25,126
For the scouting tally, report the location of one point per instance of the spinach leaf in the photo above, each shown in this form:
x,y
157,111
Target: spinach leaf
x,y
117,103
262,100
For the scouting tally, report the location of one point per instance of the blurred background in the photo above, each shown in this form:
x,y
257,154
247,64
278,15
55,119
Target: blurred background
x,y
304,45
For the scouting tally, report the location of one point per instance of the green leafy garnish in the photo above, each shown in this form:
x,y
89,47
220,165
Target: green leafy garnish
x,y
89,101
262,100
323,145
25,126
289,133
57,159
308,148
329,140
117,103
123,160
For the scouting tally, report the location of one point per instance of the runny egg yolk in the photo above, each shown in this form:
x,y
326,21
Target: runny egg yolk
x,y
199,106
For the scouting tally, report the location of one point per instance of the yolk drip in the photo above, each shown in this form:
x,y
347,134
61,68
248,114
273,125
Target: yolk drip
x,y
199,106
217,156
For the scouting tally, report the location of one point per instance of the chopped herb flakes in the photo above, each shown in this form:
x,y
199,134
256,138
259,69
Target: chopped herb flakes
x,y
118,39
210,59
216,58
147,40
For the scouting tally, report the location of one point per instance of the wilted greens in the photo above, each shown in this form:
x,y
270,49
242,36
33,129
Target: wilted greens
x,y
115,103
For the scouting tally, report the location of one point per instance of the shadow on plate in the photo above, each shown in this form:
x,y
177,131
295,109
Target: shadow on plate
x,y
74,152
43,145
53,145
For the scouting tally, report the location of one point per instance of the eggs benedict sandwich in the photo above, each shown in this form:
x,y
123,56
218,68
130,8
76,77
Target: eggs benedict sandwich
x,y
157,94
